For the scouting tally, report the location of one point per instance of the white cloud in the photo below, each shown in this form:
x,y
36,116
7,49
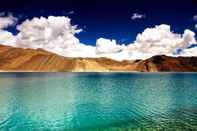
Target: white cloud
x,y
105,46
71,12
80,50
195,26
160,40
6,21
195,17
6,38
189,52
137,16
53,34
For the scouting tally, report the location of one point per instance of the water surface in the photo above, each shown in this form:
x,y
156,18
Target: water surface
x,y
98,101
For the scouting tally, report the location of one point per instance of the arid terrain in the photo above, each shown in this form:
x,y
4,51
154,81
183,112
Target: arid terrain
x,y
17,59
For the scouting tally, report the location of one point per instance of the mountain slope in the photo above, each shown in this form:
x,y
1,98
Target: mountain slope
x,y
17,59
166,63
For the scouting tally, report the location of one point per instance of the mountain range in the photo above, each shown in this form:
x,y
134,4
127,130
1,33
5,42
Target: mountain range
x,y
29,60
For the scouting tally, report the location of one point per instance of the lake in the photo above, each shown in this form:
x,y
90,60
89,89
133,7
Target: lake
x,y
98,101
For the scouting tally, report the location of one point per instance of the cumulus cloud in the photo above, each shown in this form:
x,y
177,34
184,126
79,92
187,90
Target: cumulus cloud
x,y
6,21
7,38
189,52
160,40
106,46
137,16
80,50
53,34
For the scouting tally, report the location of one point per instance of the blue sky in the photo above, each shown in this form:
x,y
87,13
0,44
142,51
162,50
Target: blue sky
x,y
107,18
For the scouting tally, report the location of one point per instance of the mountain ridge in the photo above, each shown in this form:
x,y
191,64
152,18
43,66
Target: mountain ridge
x,y
24,60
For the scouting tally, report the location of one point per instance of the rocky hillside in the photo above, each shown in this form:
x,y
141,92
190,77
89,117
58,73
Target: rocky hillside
x,y
168,64
17,59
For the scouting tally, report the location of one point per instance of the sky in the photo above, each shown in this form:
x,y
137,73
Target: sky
x,y
118,29
109,18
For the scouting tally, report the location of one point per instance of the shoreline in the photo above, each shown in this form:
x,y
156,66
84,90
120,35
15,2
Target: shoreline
x,y
121,72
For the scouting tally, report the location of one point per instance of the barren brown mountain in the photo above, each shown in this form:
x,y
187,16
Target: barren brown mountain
x,y
17,59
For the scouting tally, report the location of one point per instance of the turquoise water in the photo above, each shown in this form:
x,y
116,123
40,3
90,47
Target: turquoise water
x,y
98,101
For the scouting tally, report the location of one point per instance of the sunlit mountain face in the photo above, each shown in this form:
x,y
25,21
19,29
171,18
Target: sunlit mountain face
x,y
120,30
